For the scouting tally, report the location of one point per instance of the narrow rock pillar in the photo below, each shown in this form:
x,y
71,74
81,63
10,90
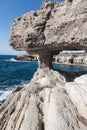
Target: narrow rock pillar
x,y
45,60
68,0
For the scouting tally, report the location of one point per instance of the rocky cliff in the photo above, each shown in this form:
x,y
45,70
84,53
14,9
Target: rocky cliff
x,y
71,58
49,102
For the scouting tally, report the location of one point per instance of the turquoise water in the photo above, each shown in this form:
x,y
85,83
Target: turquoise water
x,y
16,73
70,68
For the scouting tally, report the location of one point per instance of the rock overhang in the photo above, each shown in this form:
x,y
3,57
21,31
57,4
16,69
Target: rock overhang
x,y
55,27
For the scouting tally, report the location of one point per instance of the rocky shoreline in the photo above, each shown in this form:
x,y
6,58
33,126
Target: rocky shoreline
x,y
72,59
26,57
49,102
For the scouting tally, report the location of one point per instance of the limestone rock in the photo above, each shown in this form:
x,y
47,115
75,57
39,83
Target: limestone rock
x,y
48,102
64,58
78,60
43,106
55,27
71,58
85,59
26,57
77,92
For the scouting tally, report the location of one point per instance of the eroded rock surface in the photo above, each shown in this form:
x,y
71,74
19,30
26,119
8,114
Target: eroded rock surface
x,y
45,104
77,91
48,102
55,27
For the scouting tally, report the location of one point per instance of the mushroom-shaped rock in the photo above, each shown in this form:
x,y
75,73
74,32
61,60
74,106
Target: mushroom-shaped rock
x,y
48,102
55,27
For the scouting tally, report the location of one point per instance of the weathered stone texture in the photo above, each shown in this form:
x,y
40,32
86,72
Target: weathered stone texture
x,y
55,27
47,103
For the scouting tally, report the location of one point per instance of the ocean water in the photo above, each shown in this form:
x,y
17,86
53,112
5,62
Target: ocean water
x,y
16,73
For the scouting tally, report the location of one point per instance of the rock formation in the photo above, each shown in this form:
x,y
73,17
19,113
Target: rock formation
x,y
71,58
55,27
77,92
26,57
48,103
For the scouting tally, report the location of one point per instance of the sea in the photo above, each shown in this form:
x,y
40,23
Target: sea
x,y
15,73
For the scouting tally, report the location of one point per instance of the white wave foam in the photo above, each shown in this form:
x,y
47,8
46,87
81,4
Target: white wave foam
x,y
12,60
4,94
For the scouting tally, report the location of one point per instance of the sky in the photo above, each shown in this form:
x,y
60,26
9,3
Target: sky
x,y
9,10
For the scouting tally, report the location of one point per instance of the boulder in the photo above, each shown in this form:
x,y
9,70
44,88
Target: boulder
x,y
56,26
77,92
